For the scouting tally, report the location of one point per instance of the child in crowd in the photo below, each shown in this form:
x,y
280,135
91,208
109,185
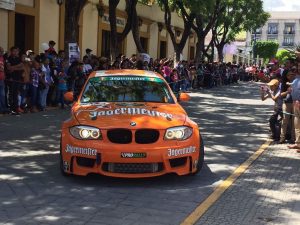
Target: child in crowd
x,y
62,83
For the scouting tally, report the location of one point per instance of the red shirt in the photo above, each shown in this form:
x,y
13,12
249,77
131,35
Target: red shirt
x,y
2,74
51,51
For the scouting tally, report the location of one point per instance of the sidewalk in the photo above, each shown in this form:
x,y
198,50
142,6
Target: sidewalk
x,y
267,193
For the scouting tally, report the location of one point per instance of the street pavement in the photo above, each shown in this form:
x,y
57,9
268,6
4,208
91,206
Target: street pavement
x,y
267,193
233,123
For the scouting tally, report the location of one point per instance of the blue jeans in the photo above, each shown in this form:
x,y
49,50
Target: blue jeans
x,y
43,97
33,96
184,85
61,97
3,107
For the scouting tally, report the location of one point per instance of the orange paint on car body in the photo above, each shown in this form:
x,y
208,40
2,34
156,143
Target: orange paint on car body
x,y
129,138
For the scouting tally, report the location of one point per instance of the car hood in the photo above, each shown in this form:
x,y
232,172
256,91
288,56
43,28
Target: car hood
x,y
130,115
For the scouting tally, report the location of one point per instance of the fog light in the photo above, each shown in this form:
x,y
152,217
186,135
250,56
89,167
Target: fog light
x,y
195,163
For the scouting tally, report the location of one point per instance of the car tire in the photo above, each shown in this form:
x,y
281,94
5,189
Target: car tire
x,y
61,166
201,157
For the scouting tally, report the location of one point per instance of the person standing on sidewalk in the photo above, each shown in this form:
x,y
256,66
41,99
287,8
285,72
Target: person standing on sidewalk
x,y
15,70
273,92
295,92
3,108
288,76
47,80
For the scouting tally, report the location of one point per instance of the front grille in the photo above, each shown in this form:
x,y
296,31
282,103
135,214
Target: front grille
x,y
178,161
85,162
119,136
146,136
132,168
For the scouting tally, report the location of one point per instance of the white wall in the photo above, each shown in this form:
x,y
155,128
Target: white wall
x,y
90,28
4,29
49,22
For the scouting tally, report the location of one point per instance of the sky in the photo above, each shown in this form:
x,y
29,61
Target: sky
x,y
282,5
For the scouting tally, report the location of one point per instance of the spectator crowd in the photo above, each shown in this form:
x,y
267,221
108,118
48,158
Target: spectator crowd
x,y
30,82
284,89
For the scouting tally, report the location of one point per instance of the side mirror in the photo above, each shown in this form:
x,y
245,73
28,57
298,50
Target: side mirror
x,y
69,96
184,97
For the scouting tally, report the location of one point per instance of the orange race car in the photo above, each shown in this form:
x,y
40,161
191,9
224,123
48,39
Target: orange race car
x,y
128,123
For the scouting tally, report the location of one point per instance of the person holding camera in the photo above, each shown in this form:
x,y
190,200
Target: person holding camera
x,y
295,92
272,90
288,109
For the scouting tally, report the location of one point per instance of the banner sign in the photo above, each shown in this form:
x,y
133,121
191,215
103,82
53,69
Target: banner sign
x,y
7,4
119,21
74,52
144,57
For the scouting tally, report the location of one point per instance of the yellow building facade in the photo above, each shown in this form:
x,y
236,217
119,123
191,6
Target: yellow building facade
x,y
33,22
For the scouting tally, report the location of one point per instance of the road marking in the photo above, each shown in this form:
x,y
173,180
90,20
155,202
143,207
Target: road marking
x,y
213,197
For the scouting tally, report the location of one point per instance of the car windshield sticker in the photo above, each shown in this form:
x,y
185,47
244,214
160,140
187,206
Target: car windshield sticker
x,y
131,111
127,78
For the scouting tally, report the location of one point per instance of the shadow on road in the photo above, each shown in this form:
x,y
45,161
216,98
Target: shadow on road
x,y
233,125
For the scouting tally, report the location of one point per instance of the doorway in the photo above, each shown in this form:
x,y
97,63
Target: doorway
x,y
24,32
162,49
105,46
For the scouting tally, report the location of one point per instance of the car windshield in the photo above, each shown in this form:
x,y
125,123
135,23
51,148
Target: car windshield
x,y
126,89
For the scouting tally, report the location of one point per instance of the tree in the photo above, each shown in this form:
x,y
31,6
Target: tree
x,y
283,54
132,24
265,49
177,6
234,17
206,14
73,10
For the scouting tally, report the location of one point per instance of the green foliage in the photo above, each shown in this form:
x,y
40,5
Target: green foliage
x,y
237,16
283,54
265,49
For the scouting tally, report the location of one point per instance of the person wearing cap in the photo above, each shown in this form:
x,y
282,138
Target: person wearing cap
x,y
273,91
295,92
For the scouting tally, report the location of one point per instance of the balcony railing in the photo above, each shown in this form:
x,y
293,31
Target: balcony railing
x,y
287,44
289,32
256,32
272,32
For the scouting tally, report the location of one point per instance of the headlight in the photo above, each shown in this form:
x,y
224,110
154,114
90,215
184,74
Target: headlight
x,y
178,133
85,133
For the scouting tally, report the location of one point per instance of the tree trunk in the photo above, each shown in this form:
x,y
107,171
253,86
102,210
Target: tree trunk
x,y
188,22
136,32
72,15
200,47
114,51
178,52
220,48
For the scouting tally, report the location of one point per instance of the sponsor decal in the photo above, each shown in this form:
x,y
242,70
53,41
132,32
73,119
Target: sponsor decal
x,y
131,111
181,151
81,151
66,166
133,124
133,155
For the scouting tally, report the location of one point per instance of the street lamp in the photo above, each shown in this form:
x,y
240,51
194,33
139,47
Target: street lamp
x,y
177,32
160,26
101,9
140,21
60,2
254,46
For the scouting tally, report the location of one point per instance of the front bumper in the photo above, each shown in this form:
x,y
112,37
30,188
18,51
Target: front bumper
x,y
129,160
